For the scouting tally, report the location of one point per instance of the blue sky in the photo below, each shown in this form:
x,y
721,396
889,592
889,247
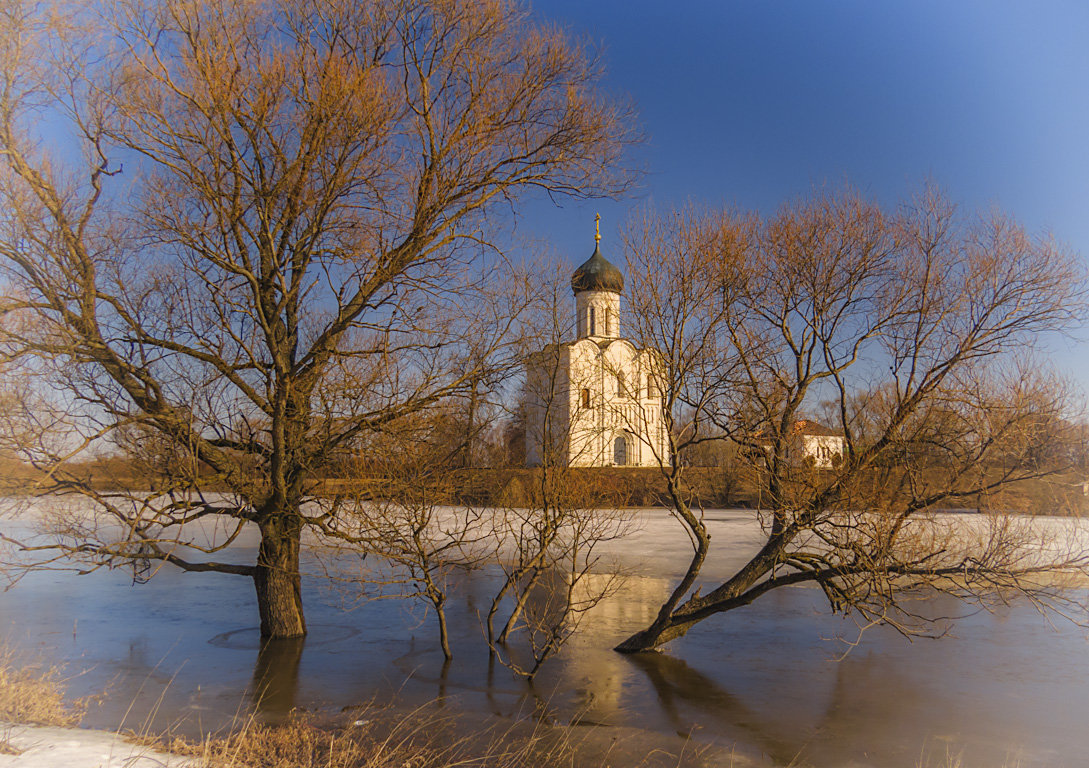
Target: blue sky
x,y
754,102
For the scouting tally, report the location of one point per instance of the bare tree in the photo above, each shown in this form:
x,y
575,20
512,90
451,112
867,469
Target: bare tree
x,y
422,543
269,242
909,324
549,590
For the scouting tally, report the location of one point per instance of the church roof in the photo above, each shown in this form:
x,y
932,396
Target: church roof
x,y
807,427
597,274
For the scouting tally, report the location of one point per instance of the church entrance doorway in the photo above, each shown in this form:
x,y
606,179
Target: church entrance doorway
x,y
620,450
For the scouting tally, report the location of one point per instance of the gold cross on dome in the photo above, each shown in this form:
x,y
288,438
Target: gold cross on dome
x,y
597,227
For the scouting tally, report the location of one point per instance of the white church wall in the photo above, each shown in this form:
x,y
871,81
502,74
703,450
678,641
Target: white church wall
x,y
546,394
574,398
824,451
589,397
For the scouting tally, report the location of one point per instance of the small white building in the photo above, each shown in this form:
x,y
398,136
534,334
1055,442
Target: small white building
x,y
595,401
808,443
818,444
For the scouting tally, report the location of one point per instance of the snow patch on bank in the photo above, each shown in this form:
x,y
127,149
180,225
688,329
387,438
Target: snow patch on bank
x,y
53,747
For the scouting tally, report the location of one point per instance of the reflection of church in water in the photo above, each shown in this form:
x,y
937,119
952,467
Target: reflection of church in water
x,y
595,401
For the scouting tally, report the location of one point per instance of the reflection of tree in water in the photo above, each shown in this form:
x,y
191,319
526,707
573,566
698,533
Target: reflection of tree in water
x,y
554,599
276,676
812,715
677,685
870,707
871,710
923,706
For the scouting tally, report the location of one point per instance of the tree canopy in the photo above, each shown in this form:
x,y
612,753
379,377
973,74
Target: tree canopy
x,y
906,330
251,233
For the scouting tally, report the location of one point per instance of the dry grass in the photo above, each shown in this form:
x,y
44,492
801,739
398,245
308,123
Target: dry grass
x,y
425,738
33,694
955,759
418,740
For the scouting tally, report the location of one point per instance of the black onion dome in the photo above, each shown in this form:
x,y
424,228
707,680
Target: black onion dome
x,y
597,274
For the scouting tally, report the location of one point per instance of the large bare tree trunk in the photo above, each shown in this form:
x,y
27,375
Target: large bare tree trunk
x,y
277,580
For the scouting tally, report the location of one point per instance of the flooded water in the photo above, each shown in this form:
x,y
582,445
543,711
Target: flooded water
x,y
183,651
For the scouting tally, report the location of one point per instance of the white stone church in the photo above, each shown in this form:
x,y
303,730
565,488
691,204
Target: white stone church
x,y
595,401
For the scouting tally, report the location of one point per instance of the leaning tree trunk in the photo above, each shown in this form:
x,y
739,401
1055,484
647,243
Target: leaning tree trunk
x,y
736,592
277,580
665,627
654,636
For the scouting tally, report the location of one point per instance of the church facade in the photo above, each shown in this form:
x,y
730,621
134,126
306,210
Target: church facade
x,y
595,401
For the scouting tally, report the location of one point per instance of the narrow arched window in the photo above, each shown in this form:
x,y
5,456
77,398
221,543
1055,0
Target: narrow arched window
x,y
585,398
593,324
608,322
621,384
652,388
